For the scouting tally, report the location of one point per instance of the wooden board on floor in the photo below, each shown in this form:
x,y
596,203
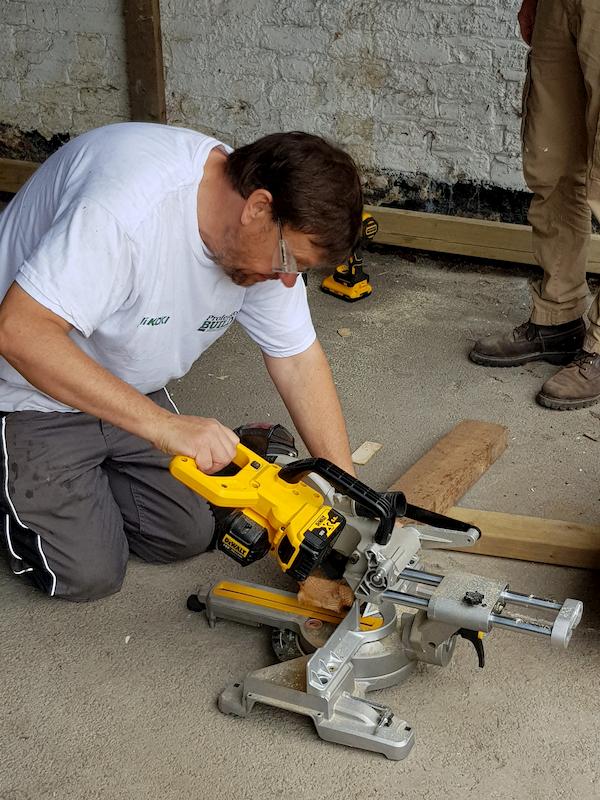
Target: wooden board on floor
x,y
446,472
14,173
548,541
498,241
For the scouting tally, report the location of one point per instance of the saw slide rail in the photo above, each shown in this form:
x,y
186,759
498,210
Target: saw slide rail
x,y
560,629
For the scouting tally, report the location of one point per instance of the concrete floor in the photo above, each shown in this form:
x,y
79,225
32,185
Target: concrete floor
x,y
117,699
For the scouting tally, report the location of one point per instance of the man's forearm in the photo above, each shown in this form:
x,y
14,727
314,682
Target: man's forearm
x,y
526,17
307,389
60,369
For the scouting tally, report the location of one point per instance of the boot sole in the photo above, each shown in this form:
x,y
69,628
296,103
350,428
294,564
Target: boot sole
x,y
565,405
558,359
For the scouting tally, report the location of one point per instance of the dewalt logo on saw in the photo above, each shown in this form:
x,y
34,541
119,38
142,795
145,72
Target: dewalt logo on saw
x,y
299,554
229,543
329,523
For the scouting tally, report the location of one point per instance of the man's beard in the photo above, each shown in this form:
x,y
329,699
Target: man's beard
x,y
229,259
241,278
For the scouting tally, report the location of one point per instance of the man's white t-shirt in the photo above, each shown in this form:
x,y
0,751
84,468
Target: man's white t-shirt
x,y
105,234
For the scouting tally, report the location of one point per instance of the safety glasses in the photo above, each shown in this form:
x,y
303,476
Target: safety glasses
x,y
283,258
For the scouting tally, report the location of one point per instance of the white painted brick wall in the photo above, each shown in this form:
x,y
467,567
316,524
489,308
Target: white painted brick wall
x,y
62,64
408,86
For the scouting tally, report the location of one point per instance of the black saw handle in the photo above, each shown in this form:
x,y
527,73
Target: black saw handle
x,y
384,506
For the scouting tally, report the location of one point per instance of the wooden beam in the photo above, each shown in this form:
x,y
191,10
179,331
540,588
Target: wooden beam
x,y
497,241
500,241
14,173
548,541
145,72
443,475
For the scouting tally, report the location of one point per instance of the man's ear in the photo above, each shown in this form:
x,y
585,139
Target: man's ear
x,y
257,207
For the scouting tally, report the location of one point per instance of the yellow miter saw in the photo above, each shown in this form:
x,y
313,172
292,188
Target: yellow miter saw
x,y
349,281
309,513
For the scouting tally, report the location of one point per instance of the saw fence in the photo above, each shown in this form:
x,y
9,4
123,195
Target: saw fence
x,y
443,475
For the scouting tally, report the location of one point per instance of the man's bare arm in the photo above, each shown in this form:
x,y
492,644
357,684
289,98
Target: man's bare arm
x,y
36,342
306,387
526,18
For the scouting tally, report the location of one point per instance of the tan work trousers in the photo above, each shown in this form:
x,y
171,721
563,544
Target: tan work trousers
x,y
561,157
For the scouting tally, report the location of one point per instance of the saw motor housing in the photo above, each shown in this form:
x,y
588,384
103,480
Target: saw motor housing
x,y
269,514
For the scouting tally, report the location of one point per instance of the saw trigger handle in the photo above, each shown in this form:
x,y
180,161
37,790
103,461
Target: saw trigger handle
x,y
476,639
267,513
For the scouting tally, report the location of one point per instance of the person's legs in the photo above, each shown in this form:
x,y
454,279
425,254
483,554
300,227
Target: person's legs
x,y
555,165
76,494
61,525
578,384
555,158
164,520
587,45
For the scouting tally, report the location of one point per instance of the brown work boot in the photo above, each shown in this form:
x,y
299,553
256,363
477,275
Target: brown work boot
x,y
575,386
558,344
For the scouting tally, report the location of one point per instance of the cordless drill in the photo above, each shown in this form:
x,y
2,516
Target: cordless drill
x,y
349,281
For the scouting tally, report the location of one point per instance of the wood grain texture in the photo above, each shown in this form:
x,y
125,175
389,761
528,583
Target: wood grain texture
x,y
457,461
145,71
548,541
14,173
498,241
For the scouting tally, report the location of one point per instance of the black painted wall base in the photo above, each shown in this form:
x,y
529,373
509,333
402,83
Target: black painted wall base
x,y
462,199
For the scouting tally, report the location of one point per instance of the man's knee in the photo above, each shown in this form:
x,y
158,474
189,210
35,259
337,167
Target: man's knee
x,y
91,580
190,533
69,567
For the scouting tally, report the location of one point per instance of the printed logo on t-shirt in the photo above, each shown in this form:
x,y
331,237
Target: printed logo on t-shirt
x,y
213,323
154,321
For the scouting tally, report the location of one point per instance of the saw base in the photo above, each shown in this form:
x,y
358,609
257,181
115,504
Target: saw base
x,y
352,656
342,717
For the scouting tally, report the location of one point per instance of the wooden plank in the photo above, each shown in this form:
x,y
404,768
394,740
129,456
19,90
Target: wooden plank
x,y
443,475
14,173
499,241
548,541
145,72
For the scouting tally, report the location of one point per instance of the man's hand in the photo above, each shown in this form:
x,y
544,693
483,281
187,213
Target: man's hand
x,y
527,19
209,443
322,592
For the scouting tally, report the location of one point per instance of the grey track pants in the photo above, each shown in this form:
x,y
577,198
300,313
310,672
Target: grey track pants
x,y
78,494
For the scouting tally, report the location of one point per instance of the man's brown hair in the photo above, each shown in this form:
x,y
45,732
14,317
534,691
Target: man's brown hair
x,y
315,187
